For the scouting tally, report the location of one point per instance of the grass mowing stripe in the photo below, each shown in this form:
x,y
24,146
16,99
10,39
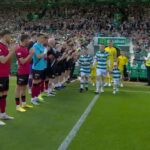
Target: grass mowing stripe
x,y
142,92
77,126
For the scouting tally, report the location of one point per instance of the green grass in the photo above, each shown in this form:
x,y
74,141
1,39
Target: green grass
x,y
44,127
120,122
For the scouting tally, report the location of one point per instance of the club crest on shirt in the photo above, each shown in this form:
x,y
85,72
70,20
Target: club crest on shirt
x,y
18,54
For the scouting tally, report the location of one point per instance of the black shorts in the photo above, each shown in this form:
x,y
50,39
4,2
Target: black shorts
x,y
44,74
64,67
4,84
58,70
22,79
51,72
38,74
67,65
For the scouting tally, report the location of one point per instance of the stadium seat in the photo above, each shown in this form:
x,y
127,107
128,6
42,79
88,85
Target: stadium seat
x,y
134,74
143,74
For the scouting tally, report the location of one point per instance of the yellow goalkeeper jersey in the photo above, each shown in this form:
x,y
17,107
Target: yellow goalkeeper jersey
x,y
122,60
112,52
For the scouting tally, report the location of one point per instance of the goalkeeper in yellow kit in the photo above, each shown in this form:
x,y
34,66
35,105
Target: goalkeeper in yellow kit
x,y
122,60
110,63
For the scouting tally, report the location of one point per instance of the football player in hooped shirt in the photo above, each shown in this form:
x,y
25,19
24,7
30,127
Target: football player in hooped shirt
x,y
23,57
5,56
101,69
116,78
85,62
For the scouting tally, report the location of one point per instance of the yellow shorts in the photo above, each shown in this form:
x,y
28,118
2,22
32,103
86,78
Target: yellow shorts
x,y
93,72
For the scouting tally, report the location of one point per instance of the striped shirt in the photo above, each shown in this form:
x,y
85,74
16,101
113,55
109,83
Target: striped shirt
x,y
85,63
116,73
101,58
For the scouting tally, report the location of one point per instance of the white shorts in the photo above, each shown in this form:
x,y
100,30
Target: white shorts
x,y
101,72
84,74
116,81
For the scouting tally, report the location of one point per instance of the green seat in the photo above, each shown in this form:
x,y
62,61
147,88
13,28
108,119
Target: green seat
x,y
134,73
143,74
139,63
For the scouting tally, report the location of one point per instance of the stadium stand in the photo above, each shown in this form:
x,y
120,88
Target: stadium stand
x,y
130,21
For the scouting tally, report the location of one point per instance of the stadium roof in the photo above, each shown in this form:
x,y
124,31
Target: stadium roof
x,y
30,2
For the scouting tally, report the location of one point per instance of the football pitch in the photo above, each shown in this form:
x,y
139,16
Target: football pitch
x,y
116,122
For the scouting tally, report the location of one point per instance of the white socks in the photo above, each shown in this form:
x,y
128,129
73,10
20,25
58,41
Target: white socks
x,y
97,85
81,83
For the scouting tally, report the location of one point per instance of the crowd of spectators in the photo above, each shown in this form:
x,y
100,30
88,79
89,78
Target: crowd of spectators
x,y
88,21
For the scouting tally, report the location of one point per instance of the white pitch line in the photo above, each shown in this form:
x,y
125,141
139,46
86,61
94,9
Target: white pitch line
x,y
65,144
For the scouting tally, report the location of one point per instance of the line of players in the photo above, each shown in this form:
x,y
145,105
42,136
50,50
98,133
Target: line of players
x,y
51,67
109,68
